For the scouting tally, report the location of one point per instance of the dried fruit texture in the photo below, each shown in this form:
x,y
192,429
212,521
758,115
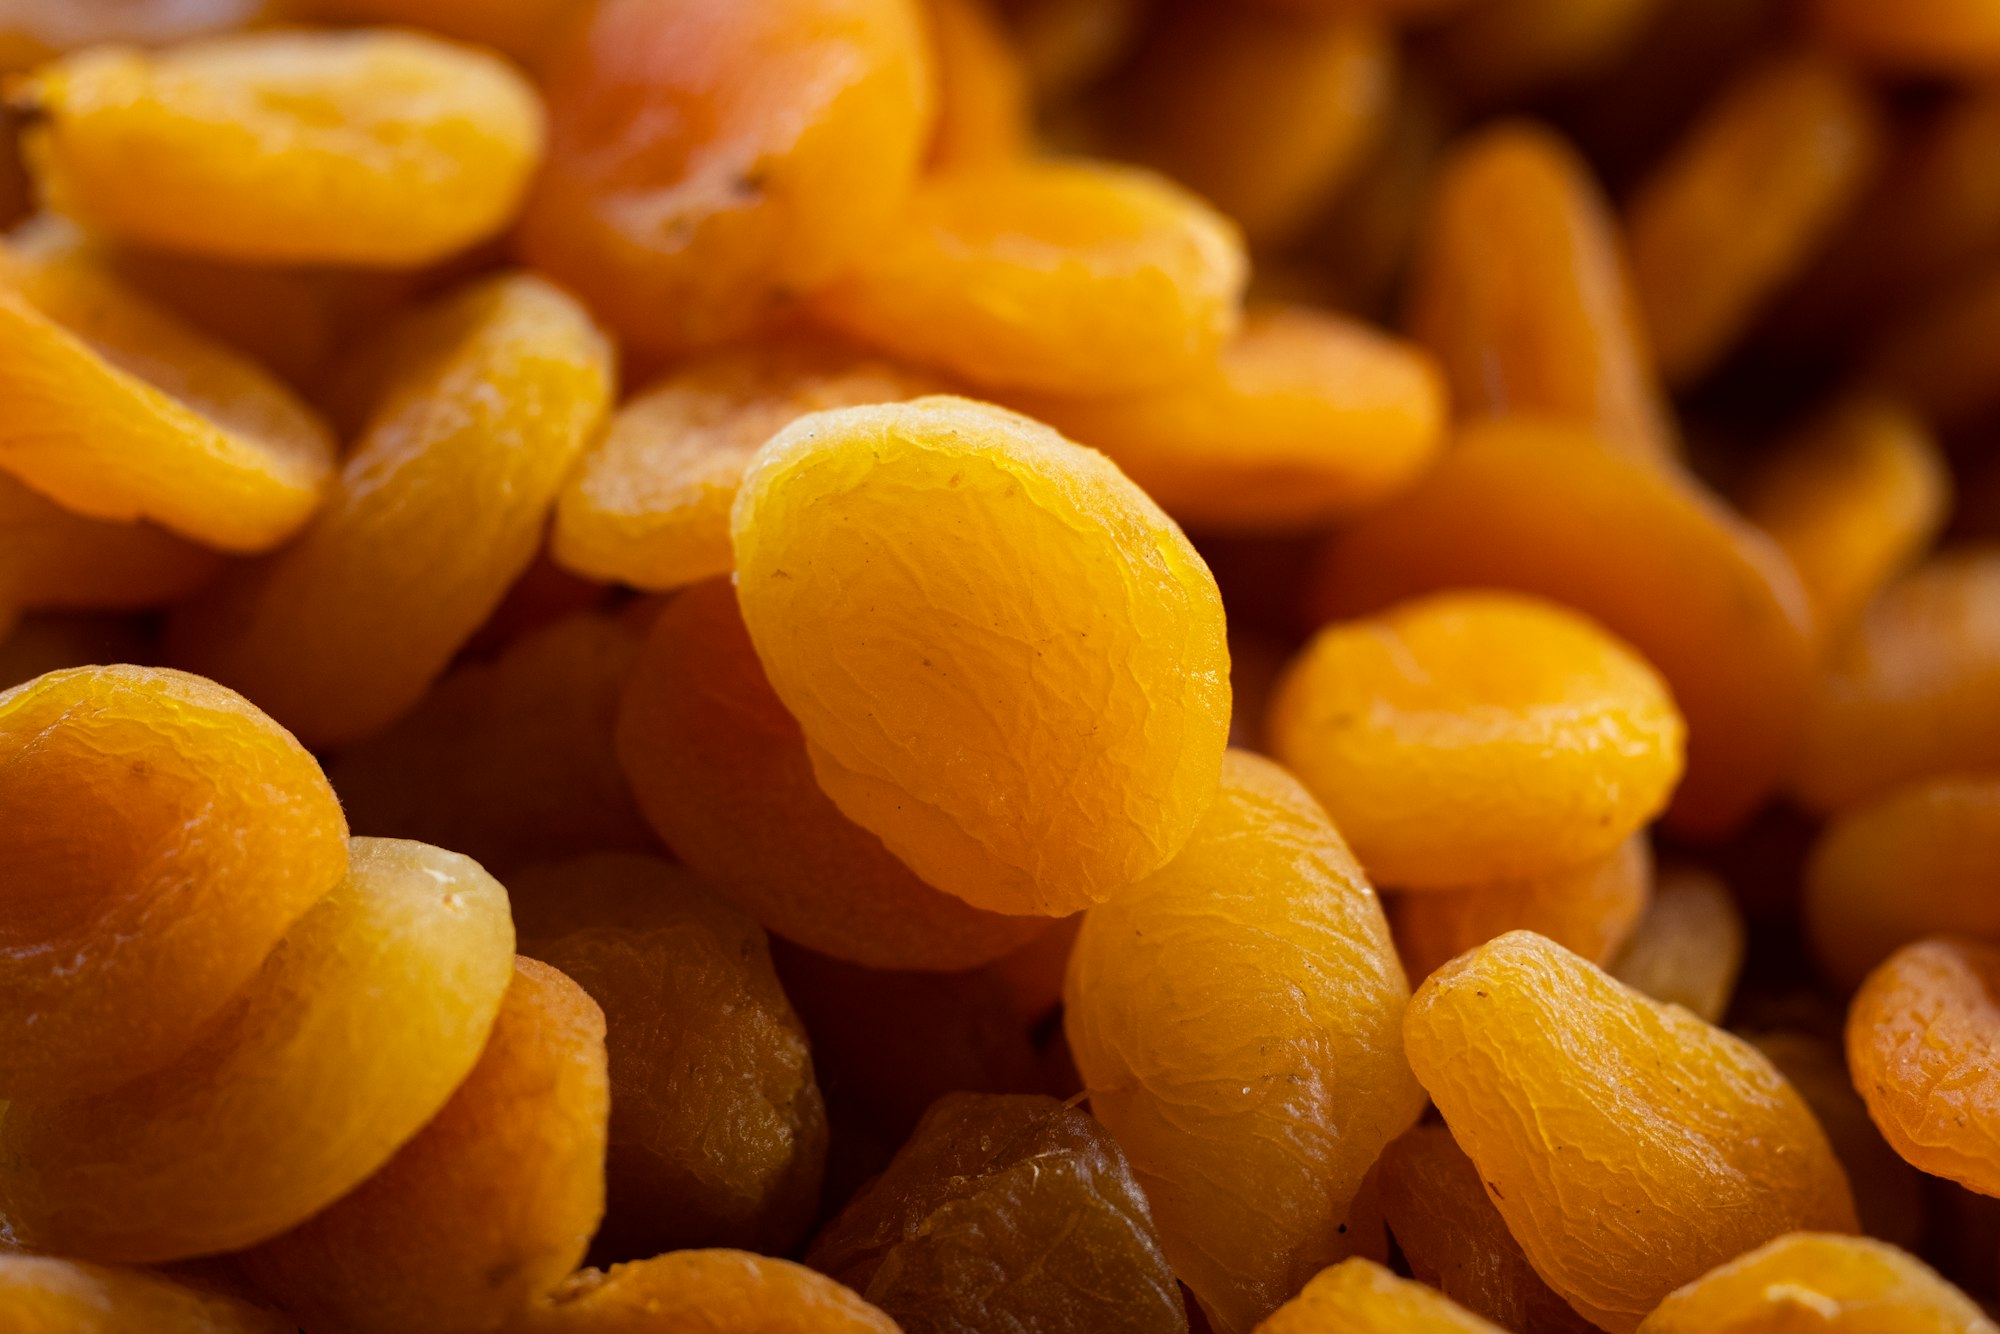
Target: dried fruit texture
x,y
1520,286
165,835
1590,909
1501,50
44,1295
709,161
721,770
491,1206
1301,419
1075,278
1688,948
718,1134
52,557
1853,501
359,1026
1815,1281
1456,1241
650,504
1236,1019
705,1292
1922,1038
1008,1213
1949,37
1266,115
1709,602
945,568
1358,1296
509,761
983,116
118,411
440,506
376,148
1939,354
1539,741
1911,692
527,30
1563,1085
1744,201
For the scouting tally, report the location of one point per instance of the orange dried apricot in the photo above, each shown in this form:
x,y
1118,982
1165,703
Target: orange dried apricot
x,y
722,773
44,1295
1358,1296
1948,37
1068,44
1302,418
1005,1212
1809,1280
489,1207
439,507
945,568
1502,49
1075,278
55,558
1235,1018
703,1291
983,116
1563,1085
1539,741
710,161
1712,604
1688,948
1521,288
368,1014
383,147
164,836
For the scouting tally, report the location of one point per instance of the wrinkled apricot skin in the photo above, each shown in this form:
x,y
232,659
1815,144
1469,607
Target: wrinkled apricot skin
x,y
1950,37
721,771
1713,605
165,835
359,1026
1069,278
1688,948
44,1295
1563,1085
943,568
1812,1280
709,162
489,1207
440,506
1358,1296
705,1292
1235,1018
360,148
956,1234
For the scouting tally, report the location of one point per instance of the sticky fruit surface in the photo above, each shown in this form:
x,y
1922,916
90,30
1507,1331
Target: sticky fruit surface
x,y
1358,1296
1810,1280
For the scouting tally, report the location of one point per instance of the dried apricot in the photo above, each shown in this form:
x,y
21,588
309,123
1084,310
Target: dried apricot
x,y
1808,1280
1235,1018
1358,1296
439,507
983,116
44,1295
704,1291
1067,44
165,835
1503,49
1688,948
1563,1085
53,557
489,1207
944,568
1539,741
1938,354
1949,37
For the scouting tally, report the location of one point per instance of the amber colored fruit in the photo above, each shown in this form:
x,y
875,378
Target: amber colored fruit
x,y
1712,604
1590,909
1301,419
527,30
1498,50
359,148
945,568
1913,691
1688,948
1520,287
1358,1296
983,116
491,1206
1949,37
718,1135
1005,1213
439,507
649,506
55,558
1076,278
119,411
164,835
509,761
705,1292
1457,1242
1808,1280
709,161
1069,44
1540,742
361,1023
721,771
1562,1084
1938,355
1744,201
1236,1019
44,1295
1033,974
1853,501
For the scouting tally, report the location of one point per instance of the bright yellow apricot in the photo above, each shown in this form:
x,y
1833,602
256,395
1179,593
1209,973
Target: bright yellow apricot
x,y
1358,1296
1811,1280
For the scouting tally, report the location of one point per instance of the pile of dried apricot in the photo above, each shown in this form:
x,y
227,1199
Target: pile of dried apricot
x,y
999,666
